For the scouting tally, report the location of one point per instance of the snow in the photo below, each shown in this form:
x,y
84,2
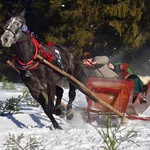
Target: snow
x,y
77,134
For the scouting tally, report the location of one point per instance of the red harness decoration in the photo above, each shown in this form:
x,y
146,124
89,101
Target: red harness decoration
x,y
47,56
30,65
50,43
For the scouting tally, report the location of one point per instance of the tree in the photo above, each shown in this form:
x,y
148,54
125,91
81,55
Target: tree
x,y
71,22
125,16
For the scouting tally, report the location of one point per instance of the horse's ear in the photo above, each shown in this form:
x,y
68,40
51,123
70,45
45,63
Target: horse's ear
x,y
22,14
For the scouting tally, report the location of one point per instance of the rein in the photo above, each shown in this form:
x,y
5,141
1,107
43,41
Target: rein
x,y
95,67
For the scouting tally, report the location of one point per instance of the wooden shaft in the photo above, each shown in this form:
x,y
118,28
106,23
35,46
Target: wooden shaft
x,y
86,90
12,65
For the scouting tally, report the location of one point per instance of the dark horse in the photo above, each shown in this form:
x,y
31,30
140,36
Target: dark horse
x,y
41,80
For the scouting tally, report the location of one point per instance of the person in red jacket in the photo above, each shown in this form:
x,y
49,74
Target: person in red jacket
x,y
123,71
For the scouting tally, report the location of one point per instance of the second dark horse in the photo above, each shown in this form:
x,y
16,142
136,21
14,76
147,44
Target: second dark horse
x,y
41,80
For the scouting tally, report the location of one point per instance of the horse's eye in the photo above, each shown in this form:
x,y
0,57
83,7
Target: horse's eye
x,y
16,23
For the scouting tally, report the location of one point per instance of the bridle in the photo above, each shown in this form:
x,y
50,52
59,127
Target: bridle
x,y
30,64
16,31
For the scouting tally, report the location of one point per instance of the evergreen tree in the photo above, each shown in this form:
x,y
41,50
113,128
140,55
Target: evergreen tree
x,y
125,18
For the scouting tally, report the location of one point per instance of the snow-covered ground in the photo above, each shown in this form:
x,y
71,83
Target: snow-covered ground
x,y
77,134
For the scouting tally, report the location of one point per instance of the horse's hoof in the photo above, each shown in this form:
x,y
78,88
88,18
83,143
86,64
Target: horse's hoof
x,y
56,126
63,114
69,115
62,111
59,128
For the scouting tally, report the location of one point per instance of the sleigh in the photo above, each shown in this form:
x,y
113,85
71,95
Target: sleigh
x,y
117,93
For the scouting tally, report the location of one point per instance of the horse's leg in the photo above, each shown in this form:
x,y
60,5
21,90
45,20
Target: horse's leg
x,y
49,110
59,93
44,104
61,108
51,90
72,95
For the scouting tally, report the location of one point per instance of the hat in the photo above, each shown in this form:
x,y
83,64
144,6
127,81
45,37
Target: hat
x,y
86,55
123,66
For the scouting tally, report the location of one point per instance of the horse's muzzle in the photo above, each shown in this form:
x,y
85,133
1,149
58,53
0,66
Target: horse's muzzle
x,y
7,39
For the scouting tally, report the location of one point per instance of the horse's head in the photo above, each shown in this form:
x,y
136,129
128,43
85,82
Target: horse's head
x,y
13,30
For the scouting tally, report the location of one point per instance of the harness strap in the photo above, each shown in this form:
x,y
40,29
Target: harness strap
x,y
37,46
31,64
28,67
